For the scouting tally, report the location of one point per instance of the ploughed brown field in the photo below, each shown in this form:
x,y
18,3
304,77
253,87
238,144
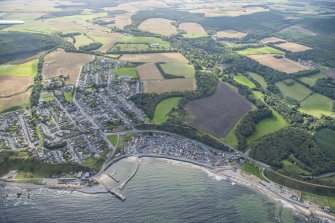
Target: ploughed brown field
x,y
159,26
60,62
330,73
293,47
218,113
155,58
149,71
169,85
11,85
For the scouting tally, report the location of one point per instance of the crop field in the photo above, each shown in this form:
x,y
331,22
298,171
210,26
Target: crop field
x,y
145,40
126,71
149,71
155,58
311,80
281,64
330,73
131,47
271,40
259,79
260,50
113,38
230,34
159,26
60,62
218,113
177,69
317,105
122,20
82,40
295,91
244,81
163,108
25,69
10,85
325,138
170,85
293,47
193,30
15,101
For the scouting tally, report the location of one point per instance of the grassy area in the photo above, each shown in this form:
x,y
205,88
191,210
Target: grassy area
x,y
293,90
47,96
68,96
317,105
133,47
177,69
259,79
244,81
163,108
292,170
126,71
114,56
257,94
145,40
325,138
25,69
113,139
311,80
267,126
260,50
82,40
192,35
231,138
320,200
253,170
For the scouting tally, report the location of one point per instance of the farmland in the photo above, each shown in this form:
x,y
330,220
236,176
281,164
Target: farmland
x,y
159,26
293,90
25,69
177,69
311,80
330,73
163,108
60,62
170,85
259,79
218,113
317,105
149,71
155,58
82,40
244,81
230,34
17,101
114,37
271,40
10,85
293,47
259,51
278,63
193,30
126,71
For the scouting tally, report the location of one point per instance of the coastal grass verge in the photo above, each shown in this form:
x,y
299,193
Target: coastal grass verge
x,y
253,170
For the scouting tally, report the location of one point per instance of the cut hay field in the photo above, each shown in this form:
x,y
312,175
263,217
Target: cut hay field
x,y
82,40
19,100
10,85
163,108
25,69
230,34
259,79
126,71
149,71
260,50
155,58
113,38
271,40
278,63
193,30
244,81
177,69
317,105
218,113
295,91
170,85
293,47
159,26
311,80
121,20
60,62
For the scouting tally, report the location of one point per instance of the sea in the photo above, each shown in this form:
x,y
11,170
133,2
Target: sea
x,y
161,191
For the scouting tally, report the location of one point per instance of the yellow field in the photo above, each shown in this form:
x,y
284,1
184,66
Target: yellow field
x,y
230,34
121,20
10,85
149,71
192,28
293,47
155,58
60,62
170,85
281,64
159,26
271,40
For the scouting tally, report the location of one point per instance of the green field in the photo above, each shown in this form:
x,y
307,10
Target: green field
x,y
132,47
145,40
259,79
26,69
311,80
191,35
68,96
244,81
114,56
178,69
295,91
163,108
317,105
126,71
258,95
260,50
47,97
113,139
267,126
253,170
325,138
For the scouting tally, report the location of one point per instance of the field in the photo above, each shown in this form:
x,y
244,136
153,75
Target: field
x,y
295,91
311,80
17,101
159,26
149,71
113,38
68,96
177,69
260,50
218,113
163,108
317,105
230,34
193,30
122,20
126,71
155,58
259,79
325,138
267,126
293,47
131,47
140,43
271,40
10,85
82,40
244,81
170,85
60,62
330,73
144,39
25,69
253,170
280,63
